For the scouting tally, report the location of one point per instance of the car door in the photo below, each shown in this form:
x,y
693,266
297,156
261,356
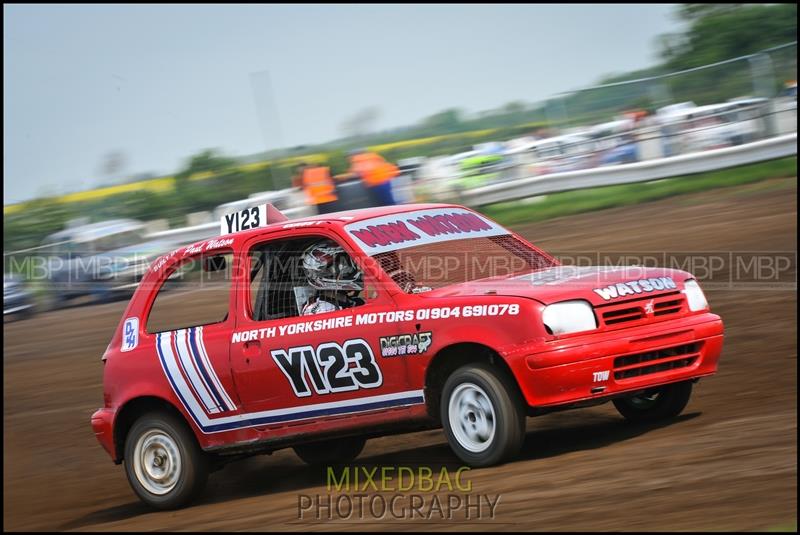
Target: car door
x,y
189,326
290,367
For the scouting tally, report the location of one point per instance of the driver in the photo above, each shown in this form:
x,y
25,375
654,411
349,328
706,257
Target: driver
x,y
334,276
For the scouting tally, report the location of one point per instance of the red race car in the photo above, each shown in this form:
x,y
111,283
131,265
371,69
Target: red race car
x,y
320,333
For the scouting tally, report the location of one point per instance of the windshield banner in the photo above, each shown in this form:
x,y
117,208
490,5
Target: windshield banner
x,y
421,227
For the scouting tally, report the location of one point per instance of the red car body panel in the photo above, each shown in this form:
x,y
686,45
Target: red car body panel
x,y
645,338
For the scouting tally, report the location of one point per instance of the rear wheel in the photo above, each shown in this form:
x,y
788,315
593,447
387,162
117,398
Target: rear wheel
x,y
656,404
482,418
339,451
165,466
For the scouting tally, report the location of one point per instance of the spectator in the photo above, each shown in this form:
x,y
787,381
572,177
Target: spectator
x,y
316,182
376,174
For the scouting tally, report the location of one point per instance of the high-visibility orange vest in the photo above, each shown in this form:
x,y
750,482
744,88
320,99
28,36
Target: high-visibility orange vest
x,y
374,170
318,185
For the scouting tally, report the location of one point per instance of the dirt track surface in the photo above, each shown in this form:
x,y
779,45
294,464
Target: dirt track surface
x,y
728,463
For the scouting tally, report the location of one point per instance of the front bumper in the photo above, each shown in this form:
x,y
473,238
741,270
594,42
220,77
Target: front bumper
x,y
15,308
601,364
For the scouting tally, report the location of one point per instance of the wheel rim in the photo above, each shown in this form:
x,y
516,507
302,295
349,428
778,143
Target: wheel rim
x,y
472,417
157,462
644,402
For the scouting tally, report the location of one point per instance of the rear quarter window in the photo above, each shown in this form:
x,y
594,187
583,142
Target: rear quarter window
x,y
196,293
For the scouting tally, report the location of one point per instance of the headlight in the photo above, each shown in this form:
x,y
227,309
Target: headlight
x,y
569,317
694,296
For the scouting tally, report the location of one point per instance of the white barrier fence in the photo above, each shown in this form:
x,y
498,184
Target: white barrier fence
x,y
684,164
644,171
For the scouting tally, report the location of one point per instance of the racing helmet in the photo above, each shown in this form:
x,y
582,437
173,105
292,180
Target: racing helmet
x,y
328,267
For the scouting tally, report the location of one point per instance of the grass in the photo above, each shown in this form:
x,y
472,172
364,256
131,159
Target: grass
x,y
587,200
781,528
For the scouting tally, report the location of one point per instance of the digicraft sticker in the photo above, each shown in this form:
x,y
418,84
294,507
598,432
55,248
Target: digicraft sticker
x,y
406,344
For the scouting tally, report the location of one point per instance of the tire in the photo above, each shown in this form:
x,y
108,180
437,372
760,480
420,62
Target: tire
x,y
28,313
658,404
482,415
339,451
161,435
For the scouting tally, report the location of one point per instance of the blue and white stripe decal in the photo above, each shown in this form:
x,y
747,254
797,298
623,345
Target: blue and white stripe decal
x,y
169,363
176,380
190,370
199,347
204,384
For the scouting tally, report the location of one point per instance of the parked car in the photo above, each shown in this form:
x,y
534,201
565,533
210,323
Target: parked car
x,y
17,298
480,169
437,180
723,125
404,185
614,142
686,127
567,152
672,120
104,260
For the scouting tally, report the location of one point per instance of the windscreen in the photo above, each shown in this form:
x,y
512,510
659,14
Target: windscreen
x,y
429,249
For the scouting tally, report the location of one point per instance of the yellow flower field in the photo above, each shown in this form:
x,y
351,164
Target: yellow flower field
x,y
155,184
168,182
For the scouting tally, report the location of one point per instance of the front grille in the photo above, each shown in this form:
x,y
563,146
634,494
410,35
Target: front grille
x,y
622,315
642,310
673,306
659,360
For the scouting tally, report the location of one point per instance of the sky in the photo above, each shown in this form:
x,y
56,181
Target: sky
x,y
158,83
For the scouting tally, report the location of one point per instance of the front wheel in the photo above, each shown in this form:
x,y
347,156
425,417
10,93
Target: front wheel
x,y
482,418
339,451
656,404
165,466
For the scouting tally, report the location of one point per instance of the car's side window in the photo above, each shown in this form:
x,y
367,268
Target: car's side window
x,y
196,293
302,277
